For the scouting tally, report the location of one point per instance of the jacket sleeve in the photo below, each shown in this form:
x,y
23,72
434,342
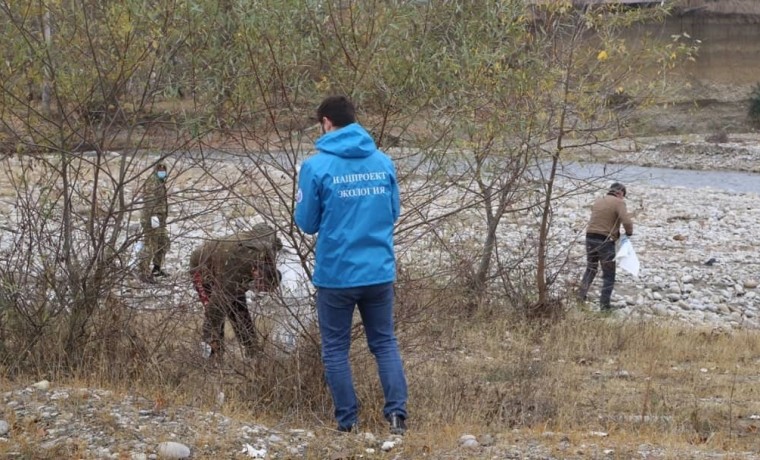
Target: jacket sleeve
x,y
308,213
195,260
395,195
145,203
626,220
163,210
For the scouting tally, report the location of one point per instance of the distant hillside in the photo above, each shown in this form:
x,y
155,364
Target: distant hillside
x,y
720,7
712,93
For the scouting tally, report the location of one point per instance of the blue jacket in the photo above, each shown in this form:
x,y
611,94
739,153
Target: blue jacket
x,y
348,195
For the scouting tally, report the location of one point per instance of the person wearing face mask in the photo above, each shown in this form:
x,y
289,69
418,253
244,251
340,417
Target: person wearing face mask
x,y
153,219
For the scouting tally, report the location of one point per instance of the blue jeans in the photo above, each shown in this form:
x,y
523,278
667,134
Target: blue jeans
x,y
599,251
335,309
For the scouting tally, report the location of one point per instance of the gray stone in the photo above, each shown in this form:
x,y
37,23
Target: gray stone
x,y
43,385
387,446
468,440
173,450
486,440
103,452
4,427
471,443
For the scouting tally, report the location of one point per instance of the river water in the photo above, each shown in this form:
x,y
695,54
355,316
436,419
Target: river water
x,y
730,181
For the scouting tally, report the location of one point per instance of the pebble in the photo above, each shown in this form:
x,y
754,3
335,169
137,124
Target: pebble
x,y
43,385
173,450
388,445
4,428
469,441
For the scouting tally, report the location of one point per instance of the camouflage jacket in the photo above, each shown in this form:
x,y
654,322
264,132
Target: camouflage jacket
x,y
154,201
226,265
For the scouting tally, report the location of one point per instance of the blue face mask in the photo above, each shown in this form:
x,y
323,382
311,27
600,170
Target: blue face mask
x,y
161,174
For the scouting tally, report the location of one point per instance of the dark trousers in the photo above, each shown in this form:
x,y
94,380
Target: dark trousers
x,y
599,251
236,310
155,247
335,309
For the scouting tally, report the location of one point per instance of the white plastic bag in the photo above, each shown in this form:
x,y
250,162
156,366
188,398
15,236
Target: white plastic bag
x,y
135,256
155,222
626,257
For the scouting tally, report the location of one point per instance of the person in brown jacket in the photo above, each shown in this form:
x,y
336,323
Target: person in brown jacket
x,y
223,270
607,214
155,211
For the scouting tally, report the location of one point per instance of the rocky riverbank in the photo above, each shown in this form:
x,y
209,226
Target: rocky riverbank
x,y
697,251
713,152
697,246
44,421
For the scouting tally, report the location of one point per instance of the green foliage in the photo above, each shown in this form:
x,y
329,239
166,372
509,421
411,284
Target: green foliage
x,y
493,86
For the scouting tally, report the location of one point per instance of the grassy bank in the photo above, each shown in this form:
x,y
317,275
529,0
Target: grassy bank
x,y
586,384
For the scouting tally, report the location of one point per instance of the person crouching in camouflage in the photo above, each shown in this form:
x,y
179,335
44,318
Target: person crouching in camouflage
x,y
154,214
223,270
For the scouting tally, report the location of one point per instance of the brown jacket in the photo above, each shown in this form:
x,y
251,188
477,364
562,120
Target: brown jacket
x,y
607,214
226,265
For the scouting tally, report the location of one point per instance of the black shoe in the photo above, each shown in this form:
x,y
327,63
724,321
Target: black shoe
x,y
349,429
398,424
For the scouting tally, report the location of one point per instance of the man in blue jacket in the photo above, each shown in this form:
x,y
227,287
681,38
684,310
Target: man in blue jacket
x,y
348,195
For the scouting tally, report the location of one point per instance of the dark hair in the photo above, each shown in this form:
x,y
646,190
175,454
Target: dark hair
x,y
161,167
617,187
338,109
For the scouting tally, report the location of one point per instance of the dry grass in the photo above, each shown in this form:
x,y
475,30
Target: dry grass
x,y
664,385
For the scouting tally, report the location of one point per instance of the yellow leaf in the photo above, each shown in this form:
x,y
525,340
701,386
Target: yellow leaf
x,y
602,56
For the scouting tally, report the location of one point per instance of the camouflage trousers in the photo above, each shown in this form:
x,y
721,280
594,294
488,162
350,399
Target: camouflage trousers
x,y
155,247
236,309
